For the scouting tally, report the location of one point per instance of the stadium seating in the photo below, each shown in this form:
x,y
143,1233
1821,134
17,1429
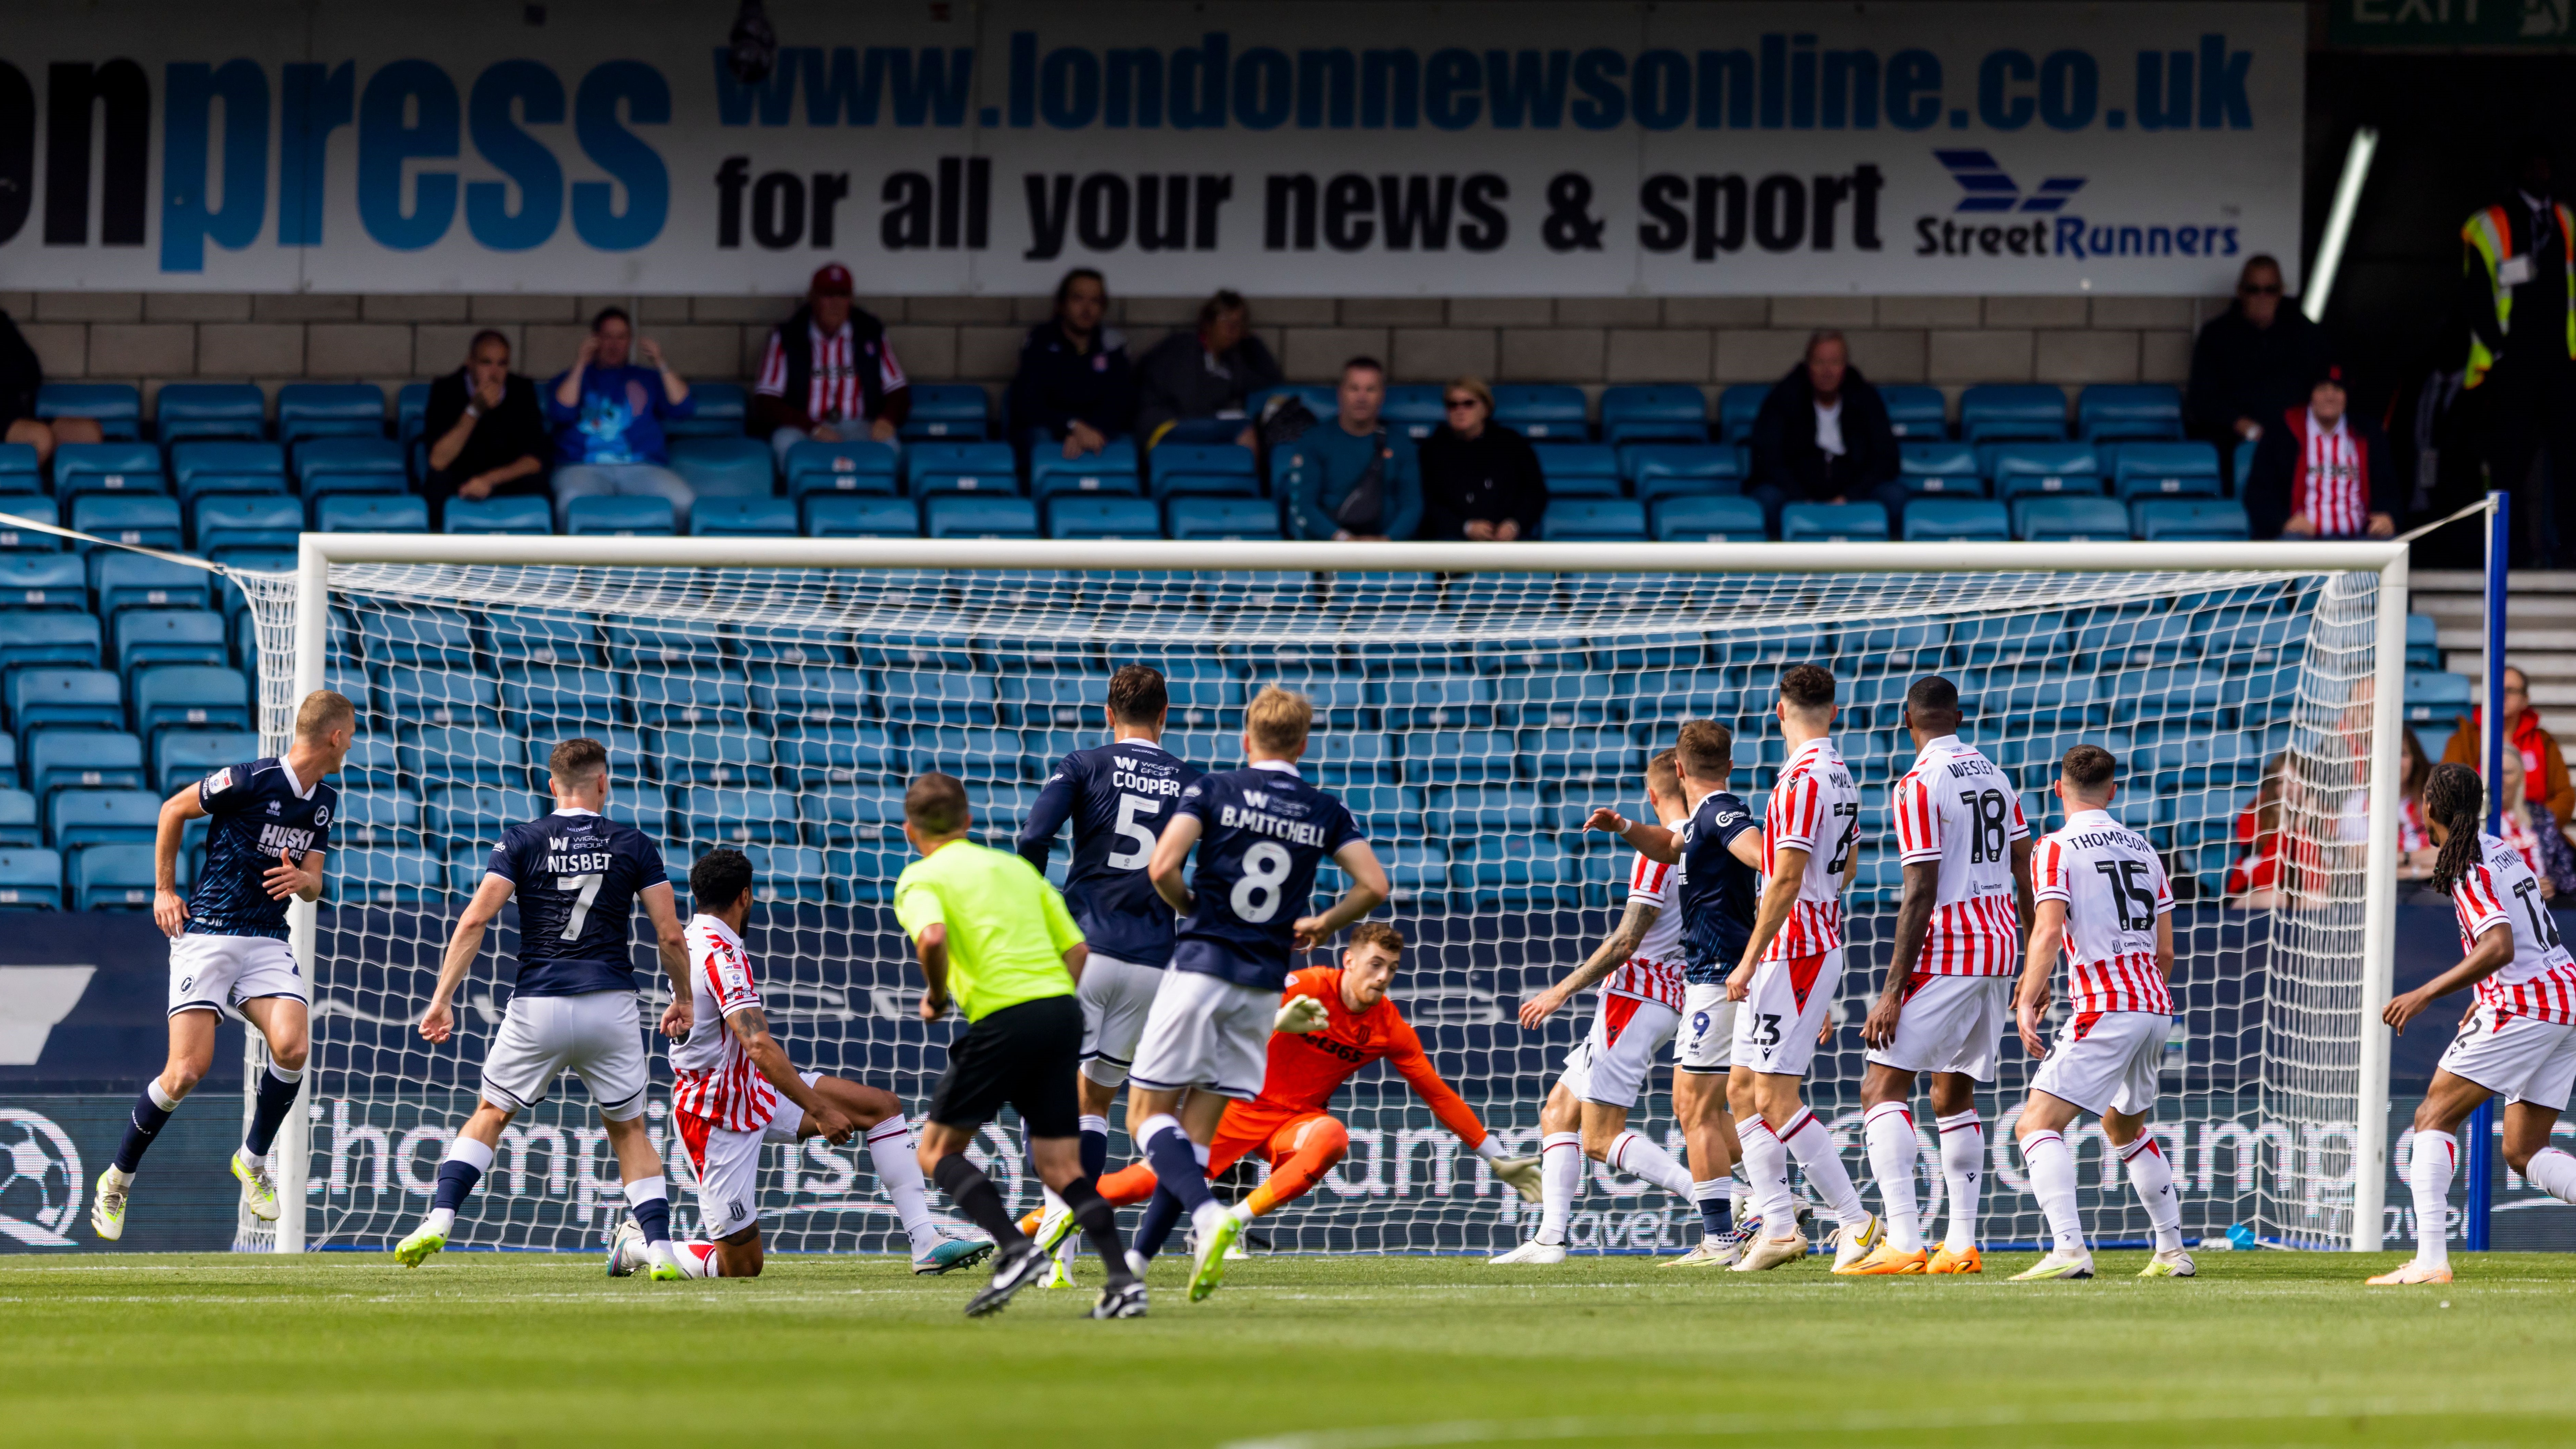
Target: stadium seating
x,y
87,759
978,515
1940,468
498,515
2166,470
1593,520
2198,520
34,507
124,580
1957,520
725,467
148,520
348,463
115,406
621,517
2000,412
191,696
1581,470
1540,412
1656,469
329,410
718,410
226,466
186,410
2020,469
1218,469
861,516
31,879
371,513
1915,413
847,467
964,468
1658,413
1709,518
946,410
1412,409
2116,412
2062,518
1114,466
1832,523
106,467
1737,407
743,517
1078,515
49,638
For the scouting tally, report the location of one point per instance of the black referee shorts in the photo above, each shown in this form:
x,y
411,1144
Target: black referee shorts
x,y
1023,1055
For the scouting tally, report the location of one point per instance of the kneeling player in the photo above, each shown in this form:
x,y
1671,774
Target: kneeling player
x,y
1332,1022
2519,1039
2101,894
729,1076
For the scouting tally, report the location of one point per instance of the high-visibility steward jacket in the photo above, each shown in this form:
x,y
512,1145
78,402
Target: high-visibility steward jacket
x,y
2489,235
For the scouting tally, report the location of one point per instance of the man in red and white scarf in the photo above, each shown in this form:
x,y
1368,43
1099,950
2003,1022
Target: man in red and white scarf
x,y
2325,474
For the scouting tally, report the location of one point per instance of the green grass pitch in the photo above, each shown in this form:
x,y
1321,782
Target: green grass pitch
x,y
516,1352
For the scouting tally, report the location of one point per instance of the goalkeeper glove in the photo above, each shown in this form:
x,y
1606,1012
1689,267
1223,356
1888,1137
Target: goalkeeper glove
x,y
1522,1173
1301,1016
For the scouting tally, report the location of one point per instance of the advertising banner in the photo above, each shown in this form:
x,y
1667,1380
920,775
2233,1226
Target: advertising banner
x,y
1326,148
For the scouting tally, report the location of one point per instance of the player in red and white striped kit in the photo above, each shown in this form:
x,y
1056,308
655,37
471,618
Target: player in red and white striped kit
x,y
1639,968
1791,971
2518,1040
1966,854
734,1090
2100,895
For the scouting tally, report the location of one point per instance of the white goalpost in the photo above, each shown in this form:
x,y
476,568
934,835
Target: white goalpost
x,y
1474,701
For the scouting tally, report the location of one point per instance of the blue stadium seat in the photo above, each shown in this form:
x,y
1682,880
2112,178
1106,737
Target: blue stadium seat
x,y
371,513
150,520
978,515
1413,409
49,637
715,757
35,507
43,581
1216,469
498,515
1998,412
947,411
18,471
1832,522
21,825
2165,470
1660,468
112,878
349,464
1128,485
116,407
411,412
83,759
1540,412
841,515
743,517
133,580
718,411
1116,459
2192,520
31,879
422,638
106,467
1915,412
1438,701
1459,757
1080,516
247,520
739,817
166,636
1319,399
1581,470
689,697
387,877
1709,518
2061,518
2423,642
622,516
1957,520
377,819
2122,412
202,468
963,468
442,696
1942,469
1221,518
196,696
1737,408
550,691
1654,413
820,755
329,410
75,818
809,694
1593,520
2432,694
179,756
852,467
936,695
185,410
725,467
1068,699
461,813
2022,469
49,695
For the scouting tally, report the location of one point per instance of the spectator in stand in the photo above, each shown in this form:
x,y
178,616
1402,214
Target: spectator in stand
x,y
1190,385
608,415
2251,364
1359,480
2323,471
828,374
2254,882
2521,376
1075,384
21,374
2544,771
1823,437
2415,848
486,430
1480,480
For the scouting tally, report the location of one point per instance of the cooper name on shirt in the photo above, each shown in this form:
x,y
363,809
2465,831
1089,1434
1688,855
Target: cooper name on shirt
x,y
1119,779
274,838
1303,832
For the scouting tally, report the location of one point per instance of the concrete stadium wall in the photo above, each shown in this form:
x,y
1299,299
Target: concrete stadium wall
x,y
152,338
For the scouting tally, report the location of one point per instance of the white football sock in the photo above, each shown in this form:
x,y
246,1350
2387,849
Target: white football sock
x,y
1814,1147
2553,1171
1893,1154
1766,1167
1632,1154
2052,1181
441,1221
1205,1217
2152,1175
899,1173
695,1260
2437,1156
1560,1176
1963,1171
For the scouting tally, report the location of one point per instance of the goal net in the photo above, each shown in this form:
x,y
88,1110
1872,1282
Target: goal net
x,y
1470,720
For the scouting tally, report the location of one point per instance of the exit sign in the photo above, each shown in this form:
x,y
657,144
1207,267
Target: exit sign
x,y
2443,23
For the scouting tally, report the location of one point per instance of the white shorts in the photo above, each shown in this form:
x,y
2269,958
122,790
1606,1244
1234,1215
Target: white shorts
x,y
1205,1031
1776,1024
219,973
1612,1061
2519,1058
2106,1061
1950,1024
1116,996
1706,1044
728,1165
598,1034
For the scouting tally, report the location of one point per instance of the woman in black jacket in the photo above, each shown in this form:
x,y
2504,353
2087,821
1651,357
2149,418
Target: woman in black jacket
x,y
1480,480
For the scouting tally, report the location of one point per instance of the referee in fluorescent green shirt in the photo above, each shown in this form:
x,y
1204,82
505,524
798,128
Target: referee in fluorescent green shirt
x,y
991,932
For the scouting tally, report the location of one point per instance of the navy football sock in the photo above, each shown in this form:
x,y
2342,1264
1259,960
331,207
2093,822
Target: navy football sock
x,y
654,1217
1095,1146
150,1115
456,1182
1162,1212
277,1090
1177,1169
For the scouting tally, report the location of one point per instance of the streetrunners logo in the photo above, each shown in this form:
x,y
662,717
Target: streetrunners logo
x,y
1995,217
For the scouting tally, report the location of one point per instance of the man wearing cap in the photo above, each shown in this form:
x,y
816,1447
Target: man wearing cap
x,y
828,374
2325,473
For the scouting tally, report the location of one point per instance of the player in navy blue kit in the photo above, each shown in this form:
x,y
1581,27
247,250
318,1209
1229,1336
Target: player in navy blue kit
x,y
270,831
1118,796
1260,832
578,876
1719,852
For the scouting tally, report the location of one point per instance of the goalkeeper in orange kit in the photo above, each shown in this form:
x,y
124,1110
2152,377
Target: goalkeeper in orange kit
x,y
1332,1021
